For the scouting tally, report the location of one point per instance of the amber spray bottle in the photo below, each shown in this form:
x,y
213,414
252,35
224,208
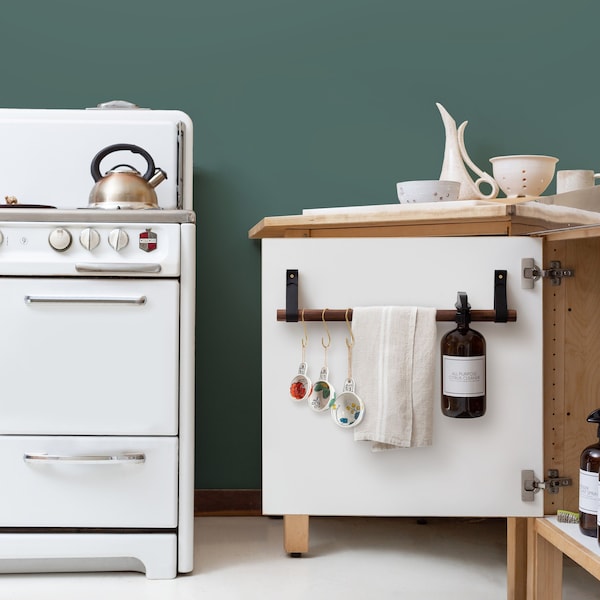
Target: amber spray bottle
x,y
589,465
463,366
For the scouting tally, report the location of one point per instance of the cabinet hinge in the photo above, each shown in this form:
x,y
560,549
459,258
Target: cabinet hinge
x,y
530,273
531,485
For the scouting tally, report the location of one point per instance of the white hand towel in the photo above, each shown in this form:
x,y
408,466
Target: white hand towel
x,y
393,367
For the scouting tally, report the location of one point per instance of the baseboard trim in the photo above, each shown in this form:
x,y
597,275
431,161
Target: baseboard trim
x,y
227,503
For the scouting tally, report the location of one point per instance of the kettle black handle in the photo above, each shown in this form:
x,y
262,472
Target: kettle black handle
x,y
95,168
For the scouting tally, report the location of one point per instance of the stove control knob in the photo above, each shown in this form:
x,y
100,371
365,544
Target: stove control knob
x,y
89,238
118,239
60,239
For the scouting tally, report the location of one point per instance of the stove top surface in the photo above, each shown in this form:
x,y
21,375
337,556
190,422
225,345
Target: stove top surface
x,y
27,206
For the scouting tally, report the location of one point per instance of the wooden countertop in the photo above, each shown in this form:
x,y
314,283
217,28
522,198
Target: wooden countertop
x,y
468,217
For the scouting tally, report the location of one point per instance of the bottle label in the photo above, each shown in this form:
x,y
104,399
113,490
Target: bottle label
x,y
588,492
463,376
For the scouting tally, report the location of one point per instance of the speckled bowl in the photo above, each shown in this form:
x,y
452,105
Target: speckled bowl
x,y
424,190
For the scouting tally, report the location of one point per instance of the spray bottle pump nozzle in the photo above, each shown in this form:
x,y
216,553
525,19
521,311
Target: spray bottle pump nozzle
x,y
594,417
463,310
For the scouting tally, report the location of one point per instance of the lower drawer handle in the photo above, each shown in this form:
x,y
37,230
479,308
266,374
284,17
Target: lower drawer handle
x,y
126,457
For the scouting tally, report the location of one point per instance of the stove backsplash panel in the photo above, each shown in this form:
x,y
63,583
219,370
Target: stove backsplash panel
x,y
46,155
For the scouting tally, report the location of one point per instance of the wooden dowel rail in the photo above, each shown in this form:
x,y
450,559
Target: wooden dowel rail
x,y
336,314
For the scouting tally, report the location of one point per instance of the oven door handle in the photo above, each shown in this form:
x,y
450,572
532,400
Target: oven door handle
x,y
130,458
118,268
85,300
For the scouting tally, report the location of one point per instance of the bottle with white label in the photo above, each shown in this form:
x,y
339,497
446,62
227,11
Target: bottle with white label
x,y
463,366
589,465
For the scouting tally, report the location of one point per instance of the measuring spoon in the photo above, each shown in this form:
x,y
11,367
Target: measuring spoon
x,y
301,385
347,409
322,393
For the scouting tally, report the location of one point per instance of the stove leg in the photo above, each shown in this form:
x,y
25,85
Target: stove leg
x,y
295,534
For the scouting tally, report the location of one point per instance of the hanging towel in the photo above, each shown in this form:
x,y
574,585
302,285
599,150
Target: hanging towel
x,y
393,366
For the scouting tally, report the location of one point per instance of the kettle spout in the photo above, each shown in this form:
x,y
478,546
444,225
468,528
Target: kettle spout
x,y
158,177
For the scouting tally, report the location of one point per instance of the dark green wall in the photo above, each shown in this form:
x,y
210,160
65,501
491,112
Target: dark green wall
x,y
301,104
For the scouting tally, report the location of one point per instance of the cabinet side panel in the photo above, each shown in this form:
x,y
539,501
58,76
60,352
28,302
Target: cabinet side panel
x,y
554,376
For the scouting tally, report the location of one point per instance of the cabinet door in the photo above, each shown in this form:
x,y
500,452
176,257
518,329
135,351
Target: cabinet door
x,y
473,468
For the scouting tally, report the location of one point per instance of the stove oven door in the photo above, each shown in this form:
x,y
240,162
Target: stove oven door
x,y
89,356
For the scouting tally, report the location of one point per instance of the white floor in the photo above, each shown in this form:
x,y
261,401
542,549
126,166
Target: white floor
x,y
241,558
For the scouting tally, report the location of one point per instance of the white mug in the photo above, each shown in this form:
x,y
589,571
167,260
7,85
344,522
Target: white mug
x,y
578,179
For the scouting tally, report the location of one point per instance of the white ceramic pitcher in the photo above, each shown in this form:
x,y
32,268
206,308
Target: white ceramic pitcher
x,y
455,157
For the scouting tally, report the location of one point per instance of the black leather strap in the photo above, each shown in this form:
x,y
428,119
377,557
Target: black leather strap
x,y
291,295
500,303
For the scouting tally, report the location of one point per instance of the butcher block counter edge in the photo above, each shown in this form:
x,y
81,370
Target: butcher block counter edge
x,y
493,218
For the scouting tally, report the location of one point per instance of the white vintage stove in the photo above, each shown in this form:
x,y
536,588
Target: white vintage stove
x,y
97,360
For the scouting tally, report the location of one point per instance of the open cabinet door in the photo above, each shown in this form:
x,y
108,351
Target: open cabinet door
x,y
473,467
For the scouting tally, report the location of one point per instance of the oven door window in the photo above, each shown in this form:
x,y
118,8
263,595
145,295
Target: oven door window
x,y
89,356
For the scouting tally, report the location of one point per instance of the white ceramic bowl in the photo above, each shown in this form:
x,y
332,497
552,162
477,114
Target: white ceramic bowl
x,y
427,191
523,175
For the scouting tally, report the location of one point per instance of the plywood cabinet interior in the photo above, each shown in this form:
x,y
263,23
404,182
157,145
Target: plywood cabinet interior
x,y
571,359
571,392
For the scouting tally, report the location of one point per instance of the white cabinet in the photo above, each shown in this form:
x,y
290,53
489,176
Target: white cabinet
x,y
567,239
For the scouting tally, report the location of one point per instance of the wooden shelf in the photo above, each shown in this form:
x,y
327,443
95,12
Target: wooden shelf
x,y
551,540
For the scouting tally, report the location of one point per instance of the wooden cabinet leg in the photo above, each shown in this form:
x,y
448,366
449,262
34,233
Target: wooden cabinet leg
x,y
516,558
547,571
295,534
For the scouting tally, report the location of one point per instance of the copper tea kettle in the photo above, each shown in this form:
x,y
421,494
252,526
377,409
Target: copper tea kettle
x,y
123,186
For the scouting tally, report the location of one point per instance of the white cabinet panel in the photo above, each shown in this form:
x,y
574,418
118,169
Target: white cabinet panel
x,y
473,468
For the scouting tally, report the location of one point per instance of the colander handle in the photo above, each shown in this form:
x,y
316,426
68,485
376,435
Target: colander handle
x,y
95,167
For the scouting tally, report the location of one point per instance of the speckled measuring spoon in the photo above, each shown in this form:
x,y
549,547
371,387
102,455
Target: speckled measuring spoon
x,y
323,392
347,410
301,385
